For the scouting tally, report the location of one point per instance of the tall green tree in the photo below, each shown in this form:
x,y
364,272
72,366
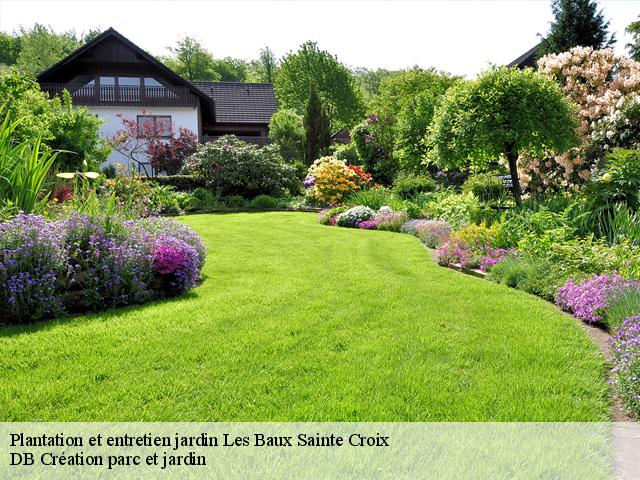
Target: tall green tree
x,y
263,69
334,83
192,61
231,69
501,114
286,129
634,46
576,23
41,47
317,128
9,49
369,81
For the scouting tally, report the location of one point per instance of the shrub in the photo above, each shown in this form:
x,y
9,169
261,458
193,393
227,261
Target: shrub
x,y
286,129
333,180
203,199
347,153
351,217
479,238
407,186
433,233
486,186
513,271
457,210
626,362
587,300
367,225
232,167
263,202
233,201
373,198
452,253
390,221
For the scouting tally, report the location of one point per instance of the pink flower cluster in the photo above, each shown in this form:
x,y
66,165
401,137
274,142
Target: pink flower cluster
x,y
587,300
495,256
177,259
596,81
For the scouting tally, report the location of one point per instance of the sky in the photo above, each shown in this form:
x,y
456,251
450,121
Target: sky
x,y
462,37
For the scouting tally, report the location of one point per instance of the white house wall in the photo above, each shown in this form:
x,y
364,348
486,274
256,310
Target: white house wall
x,y
180,118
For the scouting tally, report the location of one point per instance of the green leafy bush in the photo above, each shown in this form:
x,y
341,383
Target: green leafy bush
x,y
373,198
457,210
182,183
233,201
407,186
486,186
347,153
263,202
232,167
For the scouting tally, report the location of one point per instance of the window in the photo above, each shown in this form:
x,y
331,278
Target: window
x,y
151,82
160,122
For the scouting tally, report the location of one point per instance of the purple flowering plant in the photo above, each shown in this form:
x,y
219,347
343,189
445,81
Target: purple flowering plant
x,y
626,362
495,256
89,263
588,299
433,233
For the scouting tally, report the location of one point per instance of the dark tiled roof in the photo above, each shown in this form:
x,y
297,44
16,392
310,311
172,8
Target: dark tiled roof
x,y
527,59
237,102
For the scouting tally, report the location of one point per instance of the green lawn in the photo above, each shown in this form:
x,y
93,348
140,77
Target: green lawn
x,y
301,322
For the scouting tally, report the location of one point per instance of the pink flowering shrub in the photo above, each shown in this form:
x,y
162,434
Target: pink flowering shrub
x,y
586,300
367,224
391,221
452,253
596,81
177,261
626,362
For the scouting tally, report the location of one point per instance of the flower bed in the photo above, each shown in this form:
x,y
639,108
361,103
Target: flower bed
x,y
626,355
81,263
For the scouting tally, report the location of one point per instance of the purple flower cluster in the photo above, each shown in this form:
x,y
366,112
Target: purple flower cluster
x,y
433,233
367,224
587,300
411,226
32,260
309,181
82,264
391,221
626,358
178,261
494,256
451,253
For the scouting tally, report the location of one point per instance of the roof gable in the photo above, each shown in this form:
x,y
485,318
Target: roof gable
x,y
113,47
238,102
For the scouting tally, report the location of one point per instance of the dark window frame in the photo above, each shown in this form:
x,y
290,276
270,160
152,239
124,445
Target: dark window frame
x,y
168,131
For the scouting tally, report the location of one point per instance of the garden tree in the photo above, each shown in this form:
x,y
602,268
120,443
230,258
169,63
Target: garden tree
x,y
404,108
41,47
36,49
231,69
286,129
500,114
192,61
400,90
576,23
74,130
9,49
154,143
335,84
634,47
317,128
374,146
263,69
369,81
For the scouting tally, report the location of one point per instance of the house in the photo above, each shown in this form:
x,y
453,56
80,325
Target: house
x,y
527,59
112,76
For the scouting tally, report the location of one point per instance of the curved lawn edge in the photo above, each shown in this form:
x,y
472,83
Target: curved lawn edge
x,y
300,322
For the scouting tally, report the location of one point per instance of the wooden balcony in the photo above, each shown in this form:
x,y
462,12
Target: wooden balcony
x,y
124,95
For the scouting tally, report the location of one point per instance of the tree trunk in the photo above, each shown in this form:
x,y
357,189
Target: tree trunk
x,y
512,157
